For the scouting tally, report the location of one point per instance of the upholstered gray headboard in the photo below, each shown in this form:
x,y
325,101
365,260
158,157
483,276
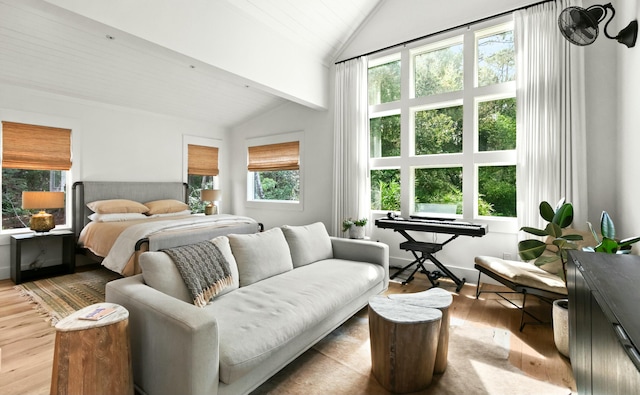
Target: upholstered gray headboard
x,y
88,191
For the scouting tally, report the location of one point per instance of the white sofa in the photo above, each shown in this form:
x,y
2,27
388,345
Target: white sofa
x,y
291,287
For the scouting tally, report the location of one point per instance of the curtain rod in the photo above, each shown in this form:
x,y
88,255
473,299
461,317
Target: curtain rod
x,y
447,30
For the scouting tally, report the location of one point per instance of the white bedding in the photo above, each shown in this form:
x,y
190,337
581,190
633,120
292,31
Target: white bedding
x,y
124,246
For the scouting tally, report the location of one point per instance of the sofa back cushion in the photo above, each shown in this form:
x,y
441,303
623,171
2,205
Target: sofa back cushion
x,y
308,244
260,255
160,272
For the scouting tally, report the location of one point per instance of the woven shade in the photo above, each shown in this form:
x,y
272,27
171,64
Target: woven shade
x,y
203,161
273,157
34,147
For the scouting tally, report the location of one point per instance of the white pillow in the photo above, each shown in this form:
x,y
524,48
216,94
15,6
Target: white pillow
x,y
260,255
176,214
160,272
116,217
308,244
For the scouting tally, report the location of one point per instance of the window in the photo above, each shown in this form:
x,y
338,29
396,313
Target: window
x,y
449,147
201,173
34,158
274,172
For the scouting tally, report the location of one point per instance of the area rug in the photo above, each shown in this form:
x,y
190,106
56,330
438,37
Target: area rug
x,y
58,297
341,364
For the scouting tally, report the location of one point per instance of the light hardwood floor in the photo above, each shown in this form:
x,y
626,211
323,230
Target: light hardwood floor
x,y
27,340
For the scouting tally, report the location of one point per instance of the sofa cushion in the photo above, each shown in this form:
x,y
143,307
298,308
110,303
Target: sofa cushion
x,y
260,255
159,272
258,322
308,243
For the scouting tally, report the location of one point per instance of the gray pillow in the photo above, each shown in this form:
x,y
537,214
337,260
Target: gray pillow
x,y
159,272
308,244
260,255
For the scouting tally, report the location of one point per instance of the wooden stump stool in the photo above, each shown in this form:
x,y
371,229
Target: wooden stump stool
x,y
93,357
404,340
435,298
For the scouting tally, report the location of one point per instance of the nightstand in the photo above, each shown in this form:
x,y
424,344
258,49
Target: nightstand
x,y
24,241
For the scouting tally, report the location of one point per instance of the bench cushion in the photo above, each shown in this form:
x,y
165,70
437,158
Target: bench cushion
x,y
522,273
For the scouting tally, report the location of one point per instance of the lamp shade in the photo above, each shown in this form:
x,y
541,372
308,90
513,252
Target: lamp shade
x,y
42,200
210,195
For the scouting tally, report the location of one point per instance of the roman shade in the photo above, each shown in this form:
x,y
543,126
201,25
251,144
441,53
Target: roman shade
x,y
203,160
273,157
34,147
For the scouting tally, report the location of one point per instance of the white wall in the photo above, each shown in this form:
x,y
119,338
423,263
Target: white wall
x,y
316,176
110,143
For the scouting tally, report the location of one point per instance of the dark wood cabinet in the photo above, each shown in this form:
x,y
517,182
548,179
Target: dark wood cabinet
x,y
604,326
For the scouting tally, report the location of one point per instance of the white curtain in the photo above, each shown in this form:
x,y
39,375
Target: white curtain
x,y
351,144
551,140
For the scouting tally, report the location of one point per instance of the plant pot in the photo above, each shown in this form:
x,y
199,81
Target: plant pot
x,y
560,313
356,232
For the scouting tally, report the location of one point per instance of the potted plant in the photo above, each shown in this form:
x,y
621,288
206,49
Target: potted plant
x,y
555,245
355,227
609,244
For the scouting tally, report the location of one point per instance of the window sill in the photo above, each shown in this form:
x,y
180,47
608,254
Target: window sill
x,y
275,205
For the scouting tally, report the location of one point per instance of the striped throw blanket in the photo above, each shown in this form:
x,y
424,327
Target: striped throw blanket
x,y
203,268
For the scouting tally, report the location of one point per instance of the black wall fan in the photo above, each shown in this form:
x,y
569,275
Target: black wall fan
x,y
580,26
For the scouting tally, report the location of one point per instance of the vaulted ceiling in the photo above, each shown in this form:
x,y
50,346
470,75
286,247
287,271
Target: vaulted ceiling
x,y
94,50
46,47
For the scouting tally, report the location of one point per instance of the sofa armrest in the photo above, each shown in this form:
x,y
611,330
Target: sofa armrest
x,y
167,333
363,251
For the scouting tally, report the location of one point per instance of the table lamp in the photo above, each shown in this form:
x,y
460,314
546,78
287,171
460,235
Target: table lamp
x,y
43,221
211,196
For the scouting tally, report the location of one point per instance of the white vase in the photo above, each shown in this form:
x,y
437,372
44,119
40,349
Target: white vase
x,y
560,314
356,232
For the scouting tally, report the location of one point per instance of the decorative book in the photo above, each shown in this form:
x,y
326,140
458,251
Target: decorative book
x,y
97,313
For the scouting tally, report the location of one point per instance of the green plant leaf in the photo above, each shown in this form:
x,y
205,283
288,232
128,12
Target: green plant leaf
x,y
628,241
546,211
607,245
572,237
553,230
534,231
530,249
594,233
564,215
607,227
544,259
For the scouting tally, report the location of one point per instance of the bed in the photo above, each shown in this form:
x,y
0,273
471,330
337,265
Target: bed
x,y
118,231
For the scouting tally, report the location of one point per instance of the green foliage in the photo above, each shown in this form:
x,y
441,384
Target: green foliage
x,y
384,136
496,59
609,244
497,125
558,219
14,181
384,83
438,71
196,184
497,185
277,185
438,131
348,223
385,190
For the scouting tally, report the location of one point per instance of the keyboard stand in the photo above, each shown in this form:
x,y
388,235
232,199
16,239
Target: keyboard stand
x,y
426,251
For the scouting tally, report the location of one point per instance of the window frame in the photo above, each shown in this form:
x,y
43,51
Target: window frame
x,y
76,168
205,142
470,159
275,204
